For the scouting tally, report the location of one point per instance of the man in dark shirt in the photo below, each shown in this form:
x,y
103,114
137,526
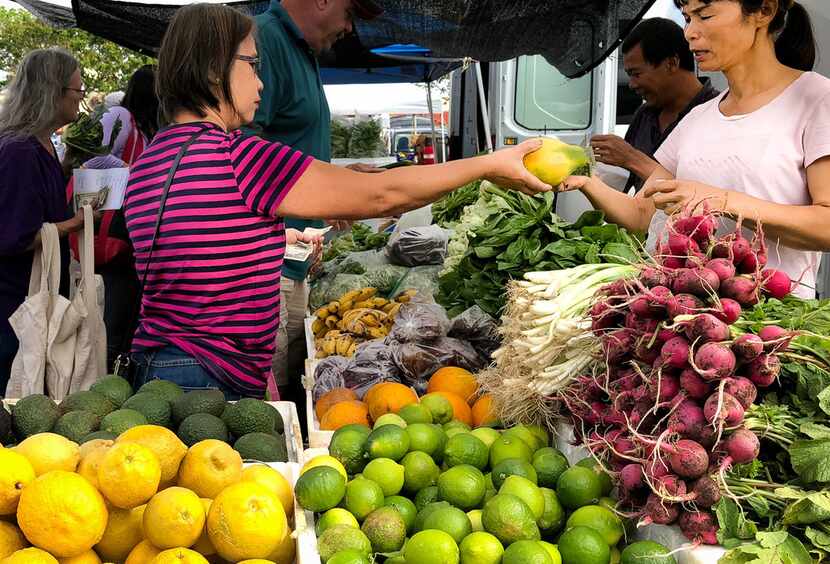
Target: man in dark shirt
x,y
661,70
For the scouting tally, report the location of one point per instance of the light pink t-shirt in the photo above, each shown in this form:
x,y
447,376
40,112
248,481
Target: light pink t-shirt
x,y
764,154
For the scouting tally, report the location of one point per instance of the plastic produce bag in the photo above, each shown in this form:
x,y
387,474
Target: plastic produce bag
x,y
385,278
343,283
372,363
418,246
361,262
419,322
418,361
478,328
329,375
424,279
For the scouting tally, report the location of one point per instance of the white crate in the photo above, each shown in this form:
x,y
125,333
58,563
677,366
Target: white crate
x,y
317,438
307,552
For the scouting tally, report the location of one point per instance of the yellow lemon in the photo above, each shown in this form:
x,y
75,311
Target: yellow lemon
x,y
143,553
129,475
325,460
90,461
286,551
62,513
174,518
48,451
88,557
16,473
124,531
203,546
554,161
163,442
179,556
257,561
246,521
30,556
89,446
209,467
272,479
11,539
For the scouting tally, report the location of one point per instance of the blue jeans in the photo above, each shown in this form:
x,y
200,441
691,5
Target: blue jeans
x,y
175,365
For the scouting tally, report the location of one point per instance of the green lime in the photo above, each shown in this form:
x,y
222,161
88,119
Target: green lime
x,y
526,552
320,489
427,438
601,519
512,467
385,529
486,435
348,557
348,445
464,448
422,515
527,491
389,441
489,494
340,538
604,478
528,436
403,506
583,545
420,471
549,464
554,515
415,413
456,424
397,559
475,519
439,406
578,486
426,496
386,473
541,434
507,446
608,503
334,517
553,552
509,519
488,481
646,552
463,486
362,497
390,419
453,431
451,520
481,548
431,547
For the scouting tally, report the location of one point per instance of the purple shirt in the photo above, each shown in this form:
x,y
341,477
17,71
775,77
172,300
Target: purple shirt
x,y
32,192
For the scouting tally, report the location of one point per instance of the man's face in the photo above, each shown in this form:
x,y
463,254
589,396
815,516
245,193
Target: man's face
x,y
647,80
336,21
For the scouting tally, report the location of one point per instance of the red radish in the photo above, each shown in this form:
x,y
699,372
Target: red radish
x,y
723,247
776,284
764,370
682,245
706,327
742,389
673,263
706,492
740,248
687,420
664,335
700,282
687,458
651,277
775,338
723,408
742,446
747,347
669,387
617,345
659,512
683,304
615,288
714,361
723,267
699,227
742,289
655,468
730,311
675,352
708,436
670,486
645,353
749,265
699,527
603,316
639,324
694,386
631,477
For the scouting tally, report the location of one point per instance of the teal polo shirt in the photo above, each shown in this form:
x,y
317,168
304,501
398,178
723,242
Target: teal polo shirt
x,y
293,109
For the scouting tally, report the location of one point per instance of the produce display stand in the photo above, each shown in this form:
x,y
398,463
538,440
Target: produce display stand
x,y
317,438
291,471
307,552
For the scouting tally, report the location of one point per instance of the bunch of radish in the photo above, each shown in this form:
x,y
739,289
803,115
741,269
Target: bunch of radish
x,y
665,411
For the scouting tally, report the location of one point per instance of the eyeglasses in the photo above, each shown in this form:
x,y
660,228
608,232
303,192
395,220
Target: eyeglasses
x,y
253,61
80,91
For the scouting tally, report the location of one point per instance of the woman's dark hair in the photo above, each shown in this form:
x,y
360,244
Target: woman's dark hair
x,y
795,42
196,57
660,39
141,100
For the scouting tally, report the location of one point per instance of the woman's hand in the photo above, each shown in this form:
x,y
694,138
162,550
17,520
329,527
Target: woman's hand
x,y
508,169
293,236
672,196
574,183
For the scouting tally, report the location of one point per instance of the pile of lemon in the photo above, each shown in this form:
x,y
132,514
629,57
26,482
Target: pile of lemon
x,y
143,498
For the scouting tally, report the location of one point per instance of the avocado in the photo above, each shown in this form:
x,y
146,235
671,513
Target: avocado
x,y
34,414
164,388
199,401
106,435
262,447
76,425
201,426
122,419
249,416
116,389
155,408
6,435
88,400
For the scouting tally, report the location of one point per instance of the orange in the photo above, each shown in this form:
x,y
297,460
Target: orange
x,y
371,392
483,411
332,397
344,413
460,410
390,399
455,380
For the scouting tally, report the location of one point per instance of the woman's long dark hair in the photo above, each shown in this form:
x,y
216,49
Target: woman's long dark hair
x,y
142,102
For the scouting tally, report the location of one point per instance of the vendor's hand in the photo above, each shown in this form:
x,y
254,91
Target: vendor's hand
x,y
573,183
613,150
293,236
339,224
360,167
672,196
508,169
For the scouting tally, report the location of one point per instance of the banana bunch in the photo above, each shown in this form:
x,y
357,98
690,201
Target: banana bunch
x,y
338,343
365,322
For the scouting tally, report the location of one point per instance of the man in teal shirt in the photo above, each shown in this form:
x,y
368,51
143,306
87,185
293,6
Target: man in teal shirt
x,y
294,111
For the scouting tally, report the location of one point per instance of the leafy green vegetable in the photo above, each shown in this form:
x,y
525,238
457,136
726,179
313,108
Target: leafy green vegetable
x,y
448,209
361,238
811,460
778,547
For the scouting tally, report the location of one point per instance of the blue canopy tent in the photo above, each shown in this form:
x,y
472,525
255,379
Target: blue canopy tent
x,y
395,63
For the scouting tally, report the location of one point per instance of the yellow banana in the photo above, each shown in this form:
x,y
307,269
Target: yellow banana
x,y
349,296
322,313
344,342
365,294
345,305
317,325
377,332
331,321
334,308
352,349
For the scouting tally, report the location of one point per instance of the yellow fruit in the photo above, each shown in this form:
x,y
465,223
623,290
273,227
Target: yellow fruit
x,y
91,461
124,531
257,561
11,539
203,546
88,557
90,446
554,161
209,467
129,475
30,556
165,445
174,518
48,451
246,521
325,460
16,473
143,553
274,481
179,556
286,551
62,513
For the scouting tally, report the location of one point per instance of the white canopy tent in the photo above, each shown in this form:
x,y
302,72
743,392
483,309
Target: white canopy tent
x,y
372,99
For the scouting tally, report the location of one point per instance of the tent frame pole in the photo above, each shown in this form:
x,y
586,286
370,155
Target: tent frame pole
x,y
432,117
485,113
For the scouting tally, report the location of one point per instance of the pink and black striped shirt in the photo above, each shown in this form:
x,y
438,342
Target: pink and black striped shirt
x,y
213,284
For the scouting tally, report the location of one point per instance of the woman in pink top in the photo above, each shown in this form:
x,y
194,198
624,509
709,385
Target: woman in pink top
x,y
760,151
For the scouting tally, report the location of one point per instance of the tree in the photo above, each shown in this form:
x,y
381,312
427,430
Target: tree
x,y
106,66
356,138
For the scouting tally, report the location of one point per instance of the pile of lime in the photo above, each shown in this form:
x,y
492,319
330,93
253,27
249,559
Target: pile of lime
x,y
423,493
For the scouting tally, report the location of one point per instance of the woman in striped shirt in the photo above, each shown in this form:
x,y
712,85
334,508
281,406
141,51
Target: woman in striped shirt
x,y
210,308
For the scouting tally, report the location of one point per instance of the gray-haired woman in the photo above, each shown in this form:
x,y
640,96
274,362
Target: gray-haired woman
x,y
44,95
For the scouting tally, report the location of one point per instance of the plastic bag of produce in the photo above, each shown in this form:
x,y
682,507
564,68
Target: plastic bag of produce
x,y
424,279
418,246
318,292
419,322
372,363
385,278
478,328
343,283
329,375
361,262
418,361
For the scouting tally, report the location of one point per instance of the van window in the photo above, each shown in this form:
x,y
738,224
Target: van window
x,y
546,100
